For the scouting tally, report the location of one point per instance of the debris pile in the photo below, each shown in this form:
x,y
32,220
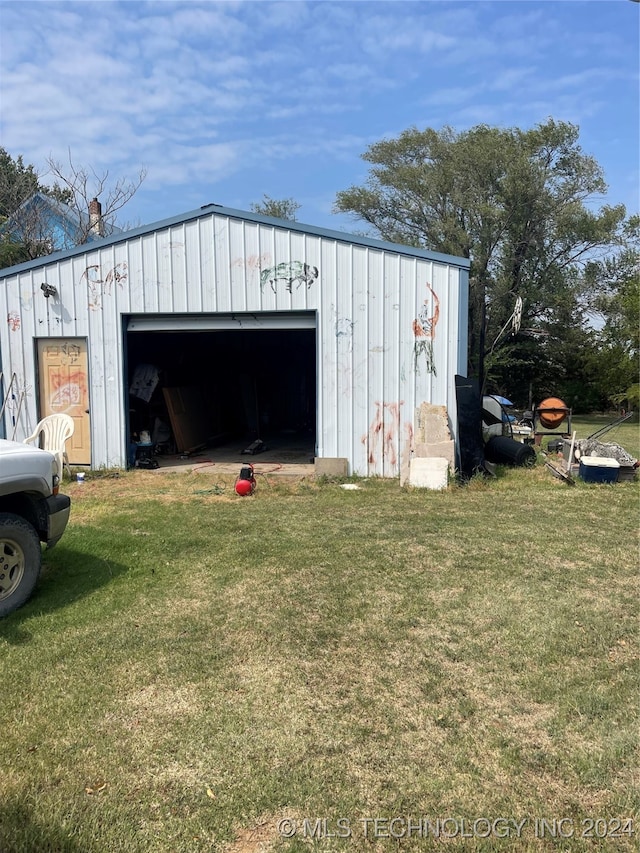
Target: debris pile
x,y
609,450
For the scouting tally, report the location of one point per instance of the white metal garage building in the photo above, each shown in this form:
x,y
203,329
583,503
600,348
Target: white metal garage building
x,y
232,324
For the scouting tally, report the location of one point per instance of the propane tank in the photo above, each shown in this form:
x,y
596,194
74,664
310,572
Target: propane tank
x,y
246,481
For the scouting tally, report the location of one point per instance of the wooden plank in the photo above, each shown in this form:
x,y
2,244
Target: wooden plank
x,y
189,421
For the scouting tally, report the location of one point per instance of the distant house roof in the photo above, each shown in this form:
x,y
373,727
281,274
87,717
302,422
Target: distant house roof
x,y
43,219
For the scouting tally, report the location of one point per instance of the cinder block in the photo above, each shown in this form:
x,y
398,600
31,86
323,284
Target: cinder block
x,y
330,466
429,473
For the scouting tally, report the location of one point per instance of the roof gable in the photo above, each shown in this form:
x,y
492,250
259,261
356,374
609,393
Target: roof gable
x,y
209,209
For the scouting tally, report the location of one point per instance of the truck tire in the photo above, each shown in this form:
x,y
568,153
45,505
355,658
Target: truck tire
x,y
20,561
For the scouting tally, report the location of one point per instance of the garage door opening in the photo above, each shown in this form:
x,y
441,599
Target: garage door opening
x,y
223,390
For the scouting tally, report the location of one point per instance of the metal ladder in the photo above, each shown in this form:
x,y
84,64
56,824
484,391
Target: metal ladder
x,y
10,394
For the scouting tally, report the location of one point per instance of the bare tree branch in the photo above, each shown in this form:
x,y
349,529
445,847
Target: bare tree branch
x,y
83,185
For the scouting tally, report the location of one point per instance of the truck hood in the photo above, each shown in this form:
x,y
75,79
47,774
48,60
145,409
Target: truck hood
x,y
22,464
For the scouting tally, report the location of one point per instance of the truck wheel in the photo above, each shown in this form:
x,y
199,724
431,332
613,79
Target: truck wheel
x,y
20,561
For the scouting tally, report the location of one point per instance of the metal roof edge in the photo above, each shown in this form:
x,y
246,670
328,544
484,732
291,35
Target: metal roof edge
x,y
208,209
349,237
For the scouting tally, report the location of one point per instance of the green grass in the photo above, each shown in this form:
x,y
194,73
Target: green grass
x,y
196,667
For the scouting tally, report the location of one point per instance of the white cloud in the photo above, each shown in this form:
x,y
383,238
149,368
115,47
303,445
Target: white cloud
x,y
214,97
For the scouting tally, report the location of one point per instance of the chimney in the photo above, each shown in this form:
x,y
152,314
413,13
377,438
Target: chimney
x,y
95,218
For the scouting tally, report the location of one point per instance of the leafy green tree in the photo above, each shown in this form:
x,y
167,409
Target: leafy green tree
x,y
517,203
285,208
17,183
613,293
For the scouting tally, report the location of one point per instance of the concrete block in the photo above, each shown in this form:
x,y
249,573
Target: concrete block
x,y
443,449
432,424
330,466
429,473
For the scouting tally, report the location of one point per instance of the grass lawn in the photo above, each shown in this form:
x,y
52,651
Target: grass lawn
x,y
203,672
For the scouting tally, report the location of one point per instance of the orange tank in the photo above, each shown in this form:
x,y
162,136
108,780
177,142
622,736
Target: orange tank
x,y
552,412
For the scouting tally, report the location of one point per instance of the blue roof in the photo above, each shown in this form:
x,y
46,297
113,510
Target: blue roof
x,y
208,209
56,221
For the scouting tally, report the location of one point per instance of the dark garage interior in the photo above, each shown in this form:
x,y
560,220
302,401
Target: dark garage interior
x,y
228,389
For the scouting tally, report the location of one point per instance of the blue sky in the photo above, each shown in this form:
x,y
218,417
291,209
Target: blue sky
x,y
225,102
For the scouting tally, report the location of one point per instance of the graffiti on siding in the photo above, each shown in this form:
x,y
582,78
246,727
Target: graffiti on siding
x,y
424,331
344,327
289,273
347,372
409,439
382,438
344,331
99,286
253,262
13,319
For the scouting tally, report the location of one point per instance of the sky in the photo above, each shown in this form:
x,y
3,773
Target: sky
x,y
225,102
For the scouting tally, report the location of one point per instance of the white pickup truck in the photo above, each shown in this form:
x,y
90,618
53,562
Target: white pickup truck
x,y
31,511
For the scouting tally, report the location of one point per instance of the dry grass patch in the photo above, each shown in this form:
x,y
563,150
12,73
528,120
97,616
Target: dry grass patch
x,y
220,664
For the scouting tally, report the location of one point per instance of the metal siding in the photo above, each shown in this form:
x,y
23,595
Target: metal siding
x,y
297,253
353,367
281,255
312,253
375,347
358,380
237,265
133,299
221,281
264,258
340,379
163,262
249,264
108,297
327,422
401,307
177,255
206,281
12,351
373,369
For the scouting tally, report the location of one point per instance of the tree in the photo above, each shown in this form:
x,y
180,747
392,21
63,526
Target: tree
x,y
517,203
81,186
17,184
613,293
33,229
285,208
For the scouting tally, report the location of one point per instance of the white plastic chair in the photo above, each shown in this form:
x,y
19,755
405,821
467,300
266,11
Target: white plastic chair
x,y
52,434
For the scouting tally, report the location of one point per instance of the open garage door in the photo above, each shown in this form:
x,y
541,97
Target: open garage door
x,y
224,381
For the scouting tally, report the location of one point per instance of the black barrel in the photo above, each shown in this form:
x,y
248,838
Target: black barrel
x,y
506,451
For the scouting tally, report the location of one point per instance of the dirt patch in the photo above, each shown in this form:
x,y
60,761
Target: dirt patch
x,y
164,701
255,839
